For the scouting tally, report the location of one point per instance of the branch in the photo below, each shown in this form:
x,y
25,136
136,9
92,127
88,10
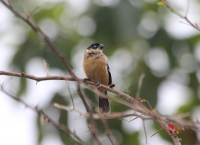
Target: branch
x,y
38,79
196,26
56,51
135,102
101,116
93,125
184,123
40,33
65,130
175,119
137,105
108,132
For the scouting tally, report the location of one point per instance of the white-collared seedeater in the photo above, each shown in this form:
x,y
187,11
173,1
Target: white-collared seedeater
x,y
96,68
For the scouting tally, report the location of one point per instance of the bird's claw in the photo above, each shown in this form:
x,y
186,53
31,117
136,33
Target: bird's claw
x,y
111,85
86,79
97,85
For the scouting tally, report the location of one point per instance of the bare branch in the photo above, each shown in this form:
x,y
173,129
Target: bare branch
x,y
45,65
40,33
70,93
180,15
136,117
188,5
57,52
93,124
157,132
145,132
101,116
38,79
108,132
137,105
40,112
139,85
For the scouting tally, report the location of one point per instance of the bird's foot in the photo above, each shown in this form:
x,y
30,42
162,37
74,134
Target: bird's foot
x,y
86,79
98,85
111,85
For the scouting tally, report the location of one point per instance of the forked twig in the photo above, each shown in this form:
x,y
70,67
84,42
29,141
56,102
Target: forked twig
x,y
196,26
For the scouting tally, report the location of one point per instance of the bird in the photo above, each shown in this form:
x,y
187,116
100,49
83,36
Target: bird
x,y
96,68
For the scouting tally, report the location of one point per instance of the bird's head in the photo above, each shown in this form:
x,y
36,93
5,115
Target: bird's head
x,y
96,46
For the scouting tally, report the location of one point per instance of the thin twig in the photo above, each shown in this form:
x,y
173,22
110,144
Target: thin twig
x,y
136,103
108,132
29,14
38,79
54,49
45,65
188,5
65,62
7,81
100,116
139,85
196,26
40,33
157,132
136,117
149,105
145,132
70,93
58,53
93,124
40,112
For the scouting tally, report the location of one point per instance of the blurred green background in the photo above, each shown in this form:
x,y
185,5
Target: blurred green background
x,y
139,37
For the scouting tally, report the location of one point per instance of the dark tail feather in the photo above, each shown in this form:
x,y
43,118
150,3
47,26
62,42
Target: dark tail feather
x,y
104,106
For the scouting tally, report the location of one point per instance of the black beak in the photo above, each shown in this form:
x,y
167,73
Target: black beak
x,y
101,46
